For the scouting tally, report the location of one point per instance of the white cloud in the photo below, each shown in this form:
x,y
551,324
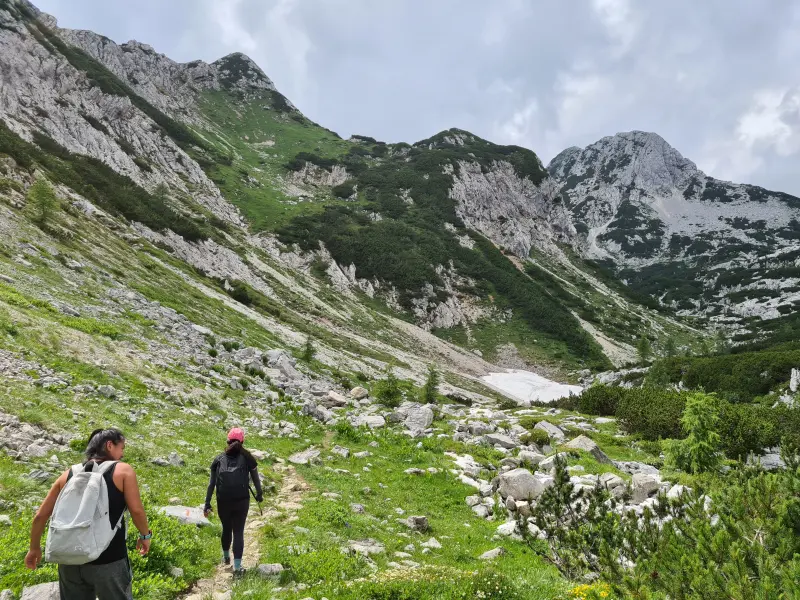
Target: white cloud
x,y
769,127
620,22
233,34
520,127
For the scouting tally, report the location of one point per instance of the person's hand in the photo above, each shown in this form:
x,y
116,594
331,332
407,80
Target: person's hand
x,y
33,558
260,498
143,546
207,511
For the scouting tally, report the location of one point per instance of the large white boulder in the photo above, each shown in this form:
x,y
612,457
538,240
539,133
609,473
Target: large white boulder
x,y
521,484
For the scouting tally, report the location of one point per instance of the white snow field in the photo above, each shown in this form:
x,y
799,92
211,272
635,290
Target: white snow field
x,y
526,387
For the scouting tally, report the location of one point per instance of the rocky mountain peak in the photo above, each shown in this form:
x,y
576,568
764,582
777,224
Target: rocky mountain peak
x,y
239,71
635,158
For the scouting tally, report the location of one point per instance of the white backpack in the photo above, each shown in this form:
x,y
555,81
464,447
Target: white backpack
x,y
80,529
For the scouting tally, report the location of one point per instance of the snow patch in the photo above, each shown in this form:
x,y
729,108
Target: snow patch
x,y
527,387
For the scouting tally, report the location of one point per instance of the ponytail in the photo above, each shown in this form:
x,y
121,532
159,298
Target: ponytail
x,y
235,448
96,447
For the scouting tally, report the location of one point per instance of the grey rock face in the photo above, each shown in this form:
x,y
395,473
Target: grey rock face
x,y
638,202
39,82
512,212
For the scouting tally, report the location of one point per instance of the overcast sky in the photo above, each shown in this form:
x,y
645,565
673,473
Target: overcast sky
x,y
718,79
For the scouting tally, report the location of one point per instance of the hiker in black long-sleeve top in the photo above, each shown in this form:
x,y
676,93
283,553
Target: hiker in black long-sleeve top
x,y
231,473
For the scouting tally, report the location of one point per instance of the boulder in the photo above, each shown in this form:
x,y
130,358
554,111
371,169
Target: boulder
x,y
417,523
678,490
43,591
643,486
285,366
305,457
499,439
521,485
270,571
341,451
588,445
611,481
366,547
371,421
530,458
358,393
107,390
175,460
186,514
334,400
419,418
554,431
259,454
509,530
320,413
432,543
492,554
633,467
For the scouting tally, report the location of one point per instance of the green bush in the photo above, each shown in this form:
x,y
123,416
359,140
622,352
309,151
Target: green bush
x,y
536,436
651,413
528,422
344,190
735,377
749,428
688,555
601,400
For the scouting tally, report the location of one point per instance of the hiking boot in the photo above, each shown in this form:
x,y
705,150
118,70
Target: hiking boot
x,y
226,561
239,573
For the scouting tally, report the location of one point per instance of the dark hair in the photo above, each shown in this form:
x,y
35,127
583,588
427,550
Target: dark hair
x,y
235,448
96,446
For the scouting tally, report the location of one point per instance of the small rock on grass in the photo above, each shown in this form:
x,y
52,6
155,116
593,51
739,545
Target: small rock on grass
x,y
492,554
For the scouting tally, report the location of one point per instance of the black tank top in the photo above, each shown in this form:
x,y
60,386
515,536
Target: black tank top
x,y
117,550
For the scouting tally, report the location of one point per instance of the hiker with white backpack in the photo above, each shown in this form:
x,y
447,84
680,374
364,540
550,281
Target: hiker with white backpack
x,y
86,536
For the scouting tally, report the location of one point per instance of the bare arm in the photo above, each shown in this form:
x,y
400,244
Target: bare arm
x,y
40,520
133,499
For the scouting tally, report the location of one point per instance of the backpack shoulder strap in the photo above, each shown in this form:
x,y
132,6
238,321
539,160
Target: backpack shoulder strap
x,y
104,466
74,470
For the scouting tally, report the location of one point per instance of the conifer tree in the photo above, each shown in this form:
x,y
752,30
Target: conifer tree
x,y
430,390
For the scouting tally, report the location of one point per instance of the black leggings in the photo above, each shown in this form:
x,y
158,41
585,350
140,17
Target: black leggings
x,y
233,514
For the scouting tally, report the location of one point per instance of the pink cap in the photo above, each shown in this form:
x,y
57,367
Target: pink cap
x,y
236,434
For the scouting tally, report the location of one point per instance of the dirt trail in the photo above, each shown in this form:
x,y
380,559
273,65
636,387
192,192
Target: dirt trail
x,y
283,506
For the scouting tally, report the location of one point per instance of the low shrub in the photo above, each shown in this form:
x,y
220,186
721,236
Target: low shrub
x,y
601,400
651,413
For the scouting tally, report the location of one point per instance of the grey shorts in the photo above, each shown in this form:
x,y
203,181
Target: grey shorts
x,y
101,582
